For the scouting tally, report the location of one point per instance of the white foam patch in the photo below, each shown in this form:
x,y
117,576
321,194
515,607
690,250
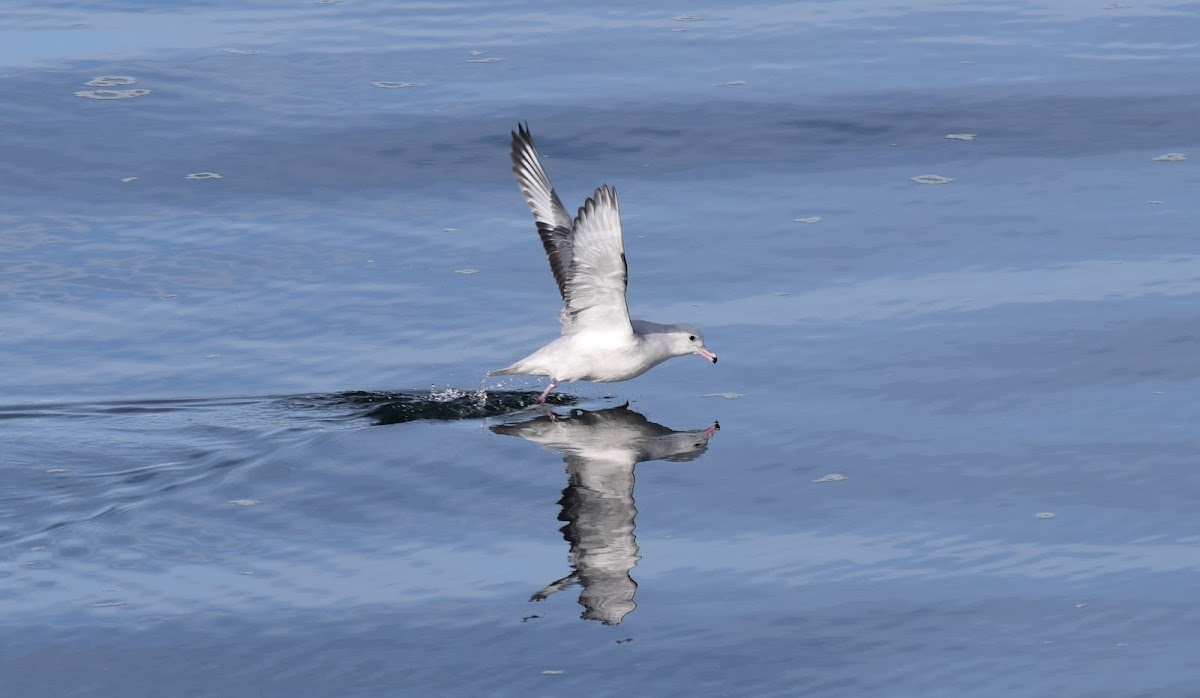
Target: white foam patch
x,y
832,477
491,59
931,179
241,51
389,85
724,396
204,175
244,502
127,180
111,81
731,83
961,136
1044,515
466,271
1170,157
112,94
809,219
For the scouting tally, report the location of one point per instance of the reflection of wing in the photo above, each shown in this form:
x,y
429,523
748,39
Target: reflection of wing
x,y
598,508
601,449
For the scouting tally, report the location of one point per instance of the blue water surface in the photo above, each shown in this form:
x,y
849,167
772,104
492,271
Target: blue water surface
x,y
249,448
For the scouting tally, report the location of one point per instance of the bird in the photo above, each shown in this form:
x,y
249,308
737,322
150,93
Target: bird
x,y
599,342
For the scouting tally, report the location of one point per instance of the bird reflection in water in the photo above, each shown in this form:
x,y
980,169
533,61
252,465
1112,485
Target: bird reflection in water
x,y
601,449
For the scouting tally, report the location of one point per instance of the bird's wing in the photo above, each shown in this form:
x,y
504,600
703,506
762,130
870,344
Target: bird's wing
x,y
553,223
595,289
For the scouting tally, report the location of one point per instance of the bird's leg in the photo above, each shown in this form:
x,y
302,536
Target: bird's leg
x,y
553,384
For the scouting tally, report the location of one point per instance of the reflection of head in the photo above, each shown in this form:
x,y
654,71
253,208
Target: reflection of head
x,y
601,449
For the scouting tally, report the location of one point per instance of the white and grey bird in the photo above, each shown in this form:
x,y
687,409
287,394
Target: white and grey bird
x,y
599,342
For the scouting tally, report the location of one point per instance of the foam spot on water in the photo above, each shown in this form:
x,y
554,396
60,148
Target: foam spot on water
x,y
961,136
731,83
931,179
204,175
1155,201
1044,515
127,180
553,672
724,396
244,502
687,18
491,59
476,53
809,219
1170,157
389,85
449,230
466,271
112,94
241,51
832,477
111,81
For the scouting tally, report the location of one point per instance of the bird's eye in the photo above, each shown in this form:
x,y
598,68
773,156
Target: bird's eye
x,y
691,338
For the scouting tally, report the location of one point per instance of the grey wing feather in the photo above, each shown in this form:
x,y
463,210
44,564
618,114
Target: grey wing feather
x,y
595,289
553,224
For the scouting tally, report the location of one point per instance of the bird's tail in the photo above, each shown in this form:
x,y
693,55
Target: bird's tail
x,y
507,371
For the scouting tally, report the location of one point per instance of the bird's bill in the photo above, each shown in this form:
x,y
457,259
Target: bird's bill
x,y
707,354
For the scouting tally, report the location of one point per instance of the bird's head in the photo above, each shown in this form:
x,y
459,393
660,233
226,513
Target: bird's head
x,y
687,339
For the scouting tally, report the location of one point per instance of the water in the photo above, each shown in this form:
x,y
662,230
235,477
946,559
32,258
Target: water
x,y
248,445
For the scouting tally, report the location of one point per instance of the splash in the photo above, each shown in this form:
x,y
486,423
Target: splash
x,y
438,404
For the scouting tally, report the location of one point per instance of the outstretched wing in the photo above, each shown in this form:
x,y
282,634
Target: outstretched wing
x,y
553,223
595,288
